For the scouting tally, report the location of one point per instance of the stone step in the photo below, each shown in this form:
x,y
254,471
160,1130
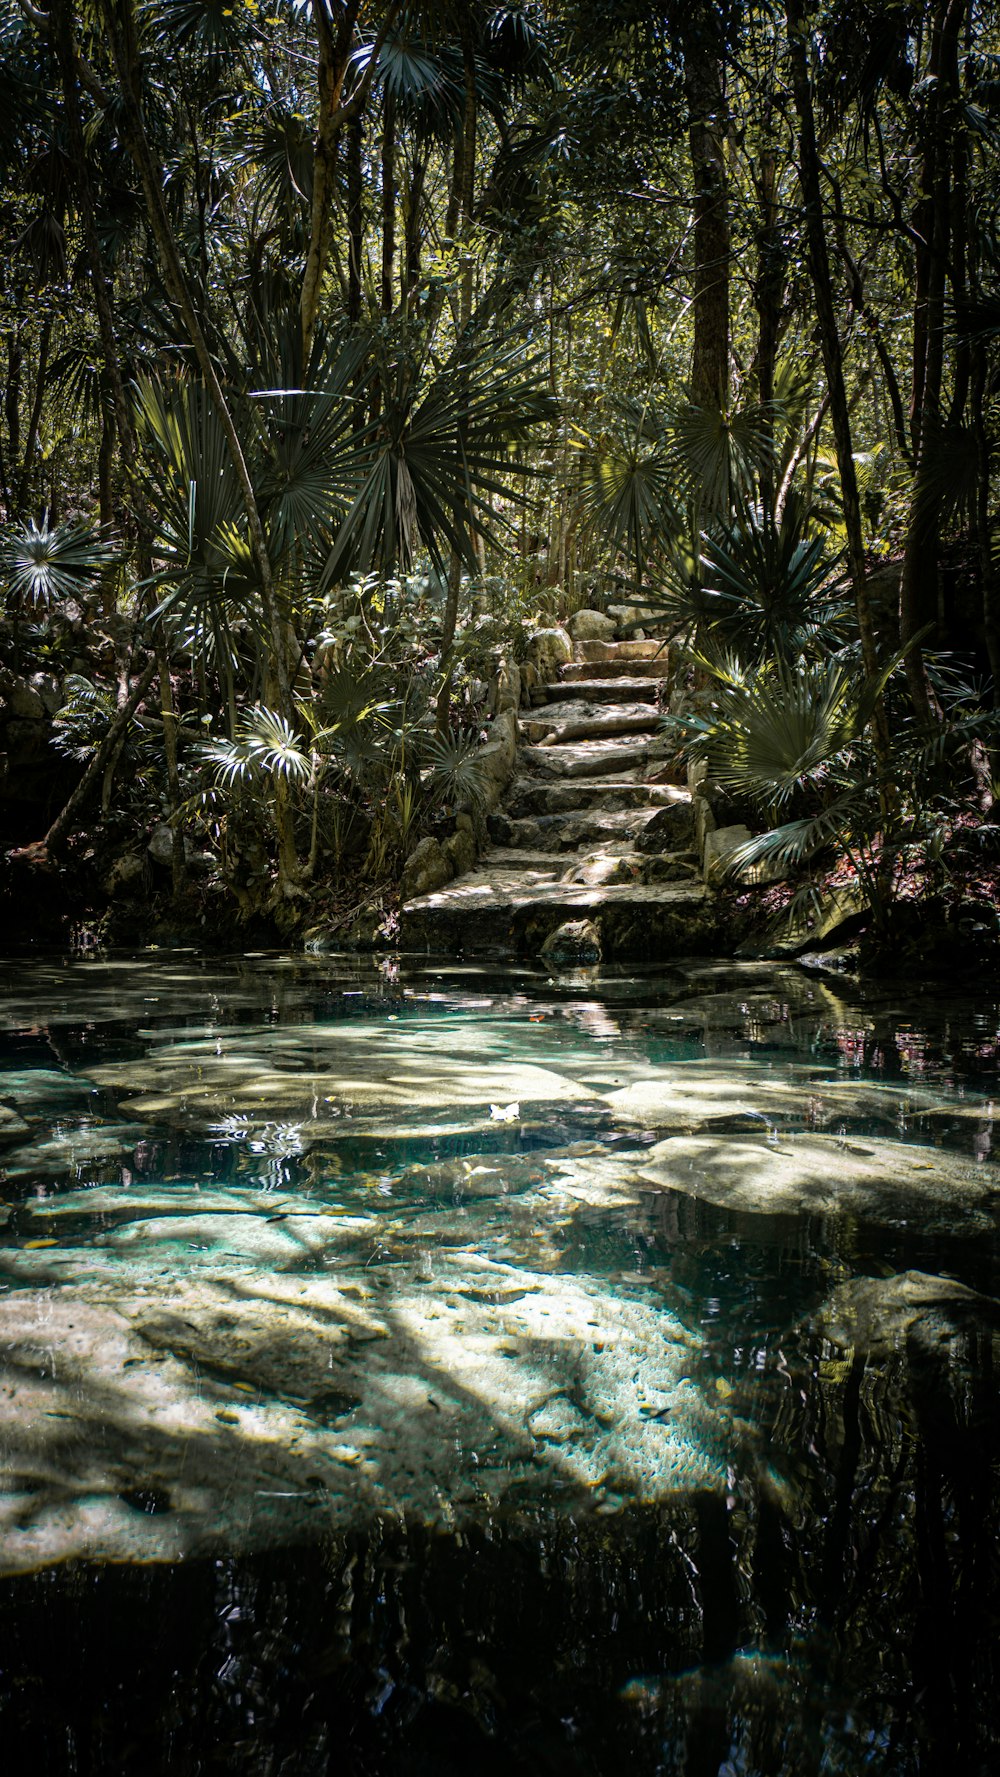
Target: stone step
x,y
619,690
578,720
596,758
575,670
487,914
533,796
610,863
648,650
623,866
579,827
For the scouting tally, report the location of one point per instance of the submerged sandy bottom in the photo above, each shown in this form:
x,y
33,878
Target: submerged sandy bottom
x,y
338,1328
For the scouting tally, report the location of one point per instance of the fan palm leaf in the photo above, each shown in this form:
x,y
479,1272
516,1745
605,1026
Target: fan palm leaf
x,y
44,564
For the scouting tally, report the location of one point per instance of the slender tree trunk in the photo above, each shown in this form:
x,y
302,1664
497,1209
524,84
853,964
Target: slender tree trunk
x,y
355,219
413,234
768,294
336,45
984,529
334,56
826,314
36,414
463,190
12,400
919,574
388,205
38,853
105,465
708,126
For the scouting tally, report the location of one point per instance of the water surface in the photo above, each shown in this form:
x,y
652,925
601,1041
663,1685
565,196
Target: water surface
x,y
414,1369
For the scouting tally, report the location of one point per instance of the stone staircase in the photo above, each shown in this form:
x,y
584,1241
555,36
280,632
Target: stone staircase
x,y
594,830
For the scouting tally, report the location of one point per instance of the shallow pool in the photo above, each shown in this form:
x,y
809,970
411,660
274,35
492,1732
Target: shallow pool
x,y
421,1369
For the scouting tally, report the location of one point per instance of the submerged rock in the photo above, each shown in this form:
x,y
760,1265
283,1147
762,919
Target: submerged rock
x,y
258,1404
805,1174
575,941
876,1315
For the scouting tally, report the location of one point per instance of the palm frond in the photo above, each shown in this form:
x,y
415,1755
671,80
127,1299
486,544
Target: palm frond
x,y
265,744
454,770
43,564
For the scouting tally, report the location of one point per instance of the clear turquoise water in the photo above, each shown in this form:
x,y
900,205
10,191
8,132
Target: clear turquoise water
x,y
412,1369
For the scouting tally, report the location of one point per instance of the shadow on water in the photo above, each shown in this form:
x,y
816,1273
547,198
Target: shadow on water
x,y
438,1374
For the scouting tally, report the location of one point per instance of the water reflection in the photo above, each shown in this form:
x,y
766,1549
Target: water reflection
x,y
547,1371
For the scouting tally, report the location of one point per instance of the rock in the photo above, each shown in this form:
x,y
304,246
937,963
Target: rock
x,y
668,867
24,702
822,1174
49,690
27,740
577,941
371,929
460,850
876,1315
835,909
508,688
495,760
12,1127
591,626
669,829
427,868
126,873
720,844
161,844
549,649
629,619
503,733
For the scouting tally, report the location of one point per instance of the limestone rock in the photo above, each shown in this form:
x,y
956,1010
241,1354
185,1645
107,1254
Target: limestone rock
x,y
47,687
161,844
591,626
503,733
877,1314
720,844
630,618
577,941
549,649
427,868
126,873
24,702
821,1174
460,850
669,829
508,688
12,1127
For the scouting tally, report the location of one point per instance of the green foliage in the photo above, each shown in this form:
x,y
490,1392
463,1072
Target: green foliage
x,y
763,587
265,745
43,565
777,727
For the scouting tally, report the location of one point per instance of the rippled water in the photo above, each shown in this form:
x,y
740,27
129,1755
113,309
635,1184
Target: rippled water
x,y
425,1370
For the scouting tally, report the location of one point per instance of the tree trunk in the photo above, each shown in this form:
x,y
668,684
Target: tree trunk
x,y
826,314
38,853
336,47
768,294
355,219
388,205
708,125
463,190
413,236
919,574
36,414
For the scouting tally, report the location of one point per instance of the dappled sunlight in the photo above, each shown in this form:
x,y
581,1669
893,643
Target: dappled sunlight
x,y
335,1246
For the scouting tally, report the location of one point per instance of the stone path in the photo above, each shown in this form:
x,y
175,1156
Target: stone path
x,y
595,827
